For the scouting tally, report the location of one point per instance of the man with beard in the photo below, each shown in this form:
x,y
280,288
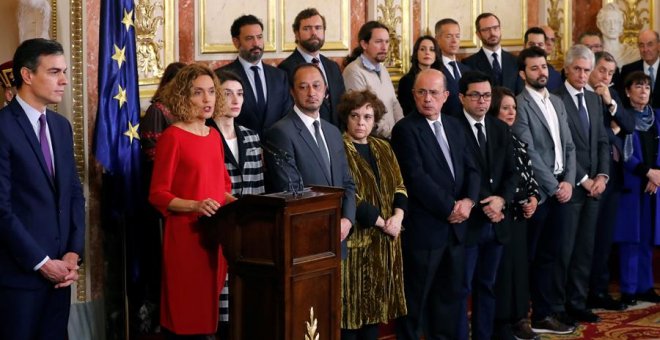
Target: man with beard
x,y
265,98
309,29
535,36
491,59
364,69
542,124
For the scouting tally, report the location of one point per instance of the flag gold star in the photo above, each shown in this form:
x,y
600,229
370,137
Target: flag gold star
x,y
128,19
132,132
120,96
120,55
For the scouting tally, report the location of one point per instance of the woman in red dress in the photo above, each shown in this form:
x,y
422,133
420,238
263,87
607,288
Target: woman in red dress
x,y
190,180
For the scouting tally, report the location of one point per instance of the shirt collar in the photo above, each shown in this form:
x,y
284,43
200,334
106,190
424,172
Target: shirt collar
x,y
447,60
32,113
655,65
307,120
572,90
246,64
368,65
473,121
308,57
489,52
543,96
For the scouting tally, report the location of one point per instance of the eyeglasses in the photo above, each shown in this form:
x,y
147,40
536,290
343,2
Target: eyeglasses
x,y
422,93
475,96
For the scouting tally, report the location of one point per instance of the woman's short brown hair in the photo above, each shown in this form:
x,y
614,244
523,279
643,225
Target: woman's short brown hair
x,y
353,100
177,93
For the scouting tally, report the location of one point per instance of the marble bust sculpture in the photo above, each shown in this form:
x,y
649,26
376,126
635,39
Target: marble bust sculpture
x,y
610,23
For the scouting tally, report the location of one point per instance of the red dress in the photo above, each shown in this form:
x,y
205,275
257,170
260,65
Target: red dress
x,y
189,166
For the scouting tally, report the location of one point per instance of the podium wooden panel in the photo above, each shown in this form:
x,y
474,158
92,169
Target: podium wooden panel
x,y
284,258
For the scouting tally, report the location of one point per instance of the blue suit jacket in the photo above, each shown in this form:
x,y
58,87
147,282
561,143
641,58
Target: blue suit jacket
x,y
510,77
39,216
432,190
278,102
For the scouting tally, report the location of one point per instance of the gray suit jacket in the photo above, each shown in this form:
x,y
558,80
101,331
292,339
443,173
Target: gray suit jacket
x,y
592,153
532,128
290,135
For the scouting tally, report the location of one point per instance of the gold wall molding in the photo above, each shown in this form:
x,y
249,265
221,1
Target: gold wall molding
x,y
635,18
556,20
218,15
337,35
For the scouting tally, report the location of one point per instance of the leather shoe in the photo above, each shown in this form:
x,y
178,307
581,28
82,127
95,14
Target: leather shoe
x,y
604,301
628,299
649,296
522,330
566,319
583,315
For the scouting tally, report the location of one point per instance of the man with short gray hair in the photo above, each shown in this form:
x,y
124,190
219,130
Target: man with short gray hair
x,y
649,50
585,117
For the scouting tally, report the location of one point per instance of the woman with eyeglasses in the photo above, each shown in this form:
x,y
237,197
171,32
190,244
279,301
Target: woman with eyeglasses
x,y
425,55
638,229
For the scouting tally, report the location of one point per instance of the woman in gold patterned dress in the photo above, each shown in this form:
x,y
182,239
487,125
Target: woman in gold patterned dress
x,y
372,274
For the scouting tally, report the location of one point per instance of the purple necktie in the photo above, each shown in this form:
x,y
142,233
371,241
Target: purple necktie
x,y
43,140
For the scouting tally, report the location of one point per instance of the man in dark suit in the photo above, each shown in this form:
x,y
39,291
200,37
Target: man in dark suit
x,y
42,207
592,152
448,36
266,99
535,36
309,29
491,58
542,124
618,123
491,144
316,145
442,180
649,49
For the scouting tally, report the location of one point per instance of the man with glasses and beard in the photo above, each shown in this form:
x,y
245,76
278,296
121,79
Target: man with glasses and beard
x,y
309,28
266,98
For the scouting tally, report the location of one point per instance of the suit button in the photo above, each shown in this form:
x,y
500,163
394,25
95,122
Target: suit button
x,y
491,181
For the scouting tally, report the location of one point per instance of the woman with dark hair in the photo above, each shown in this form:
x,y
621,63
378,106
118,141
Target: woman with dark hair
x,y
512,287
372,273
638,229
190,180
157,117
426,54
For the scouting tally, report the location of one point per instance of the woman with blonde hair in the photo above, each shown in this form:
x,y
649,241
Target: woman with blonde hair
x,y
190,180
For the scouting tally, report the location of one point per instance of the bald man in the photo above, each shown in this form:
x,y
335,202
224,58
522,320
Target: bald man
x,y
649,50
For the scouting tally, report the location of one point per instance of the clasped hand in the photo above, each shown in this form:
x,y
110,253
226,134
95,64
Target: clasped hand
x,y
62,272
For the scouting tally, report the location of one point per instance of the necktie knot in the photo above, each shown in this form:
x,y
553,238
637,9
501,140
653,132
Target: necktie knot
x,y
315,61
494,56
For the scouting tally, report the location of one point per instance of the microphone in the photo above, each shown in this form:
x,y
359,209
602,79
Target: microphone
x,y
286,163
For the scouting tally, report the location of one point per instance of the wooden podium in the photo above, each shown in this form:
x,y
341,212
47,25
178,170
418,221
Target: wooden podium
x,y
284,260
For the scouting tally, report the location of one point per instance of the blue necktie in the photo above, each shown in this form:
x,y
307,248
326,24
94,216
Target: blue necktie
x,y
652,78
261,100
454,68
584,116
497,70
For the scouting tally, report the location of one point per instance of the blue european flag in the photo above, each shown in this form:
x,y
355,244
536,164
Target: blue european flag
x,y
117,145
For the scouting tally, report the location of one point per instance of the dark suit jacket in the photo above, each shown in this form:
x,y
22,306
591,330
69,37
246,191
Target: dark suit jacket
x,y
591,152
554,79
432,190
291,136
39,216
532,128
336,87
278,102
453,105
498,175
510,77
630,68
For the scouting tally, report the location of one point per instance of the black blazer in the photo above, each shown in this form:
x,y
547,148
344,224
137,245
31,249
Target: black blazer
x,y
278,102
630,68
453,105
510,77
498,175
432,190
592,154
336,87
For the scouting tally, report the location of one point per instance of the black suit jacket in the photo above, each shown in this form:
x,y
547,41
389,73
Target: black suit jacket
x,y
498,176
591,152
278,102
453,105
510,77
40,215
630,68
432,190
336,87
